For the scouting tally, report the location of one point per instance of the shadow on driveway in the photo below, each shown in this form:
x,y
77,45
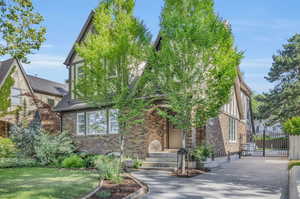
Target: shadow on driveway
x,y
249,178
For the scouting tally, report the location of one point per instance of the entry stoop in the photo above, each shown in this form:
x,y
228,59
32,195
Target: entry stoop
x,y
161,161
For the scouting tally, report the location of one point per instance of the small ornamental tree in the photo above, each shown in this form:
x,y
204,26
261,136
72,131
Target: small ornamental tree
x,y
196,65
20,29
113,60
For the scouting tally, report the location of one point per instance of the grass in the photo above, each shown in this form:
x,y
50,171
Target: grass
x,y
293,163
45,183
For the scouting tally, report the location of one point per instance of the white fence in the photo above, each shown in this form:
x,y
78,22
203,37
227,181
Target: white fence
x,y
294,147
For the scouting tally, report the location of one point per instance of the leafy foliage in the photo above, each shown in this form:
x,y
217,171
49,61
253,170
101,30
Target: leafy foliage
x,y
292,126
73,161
202,152
109,168
25,138
137,163
49,148
20,28
7,148
5,90
282,102
114,57
17,162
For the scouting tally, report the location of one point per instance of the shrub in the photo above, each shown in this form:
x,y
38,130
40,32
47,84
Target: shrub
x,y
73,161
137,163
202,152
292,126
17,162
49,148
7,148
25,138
109,168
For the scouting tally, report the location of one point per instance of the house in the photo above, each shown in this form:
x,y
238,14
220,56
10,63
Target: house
x,y
226,133
25,89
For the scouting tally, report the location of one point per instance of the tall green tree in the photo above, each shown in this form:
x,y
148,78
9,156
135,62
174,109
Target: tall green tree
x,y
196,66
113,56
21,31
283,101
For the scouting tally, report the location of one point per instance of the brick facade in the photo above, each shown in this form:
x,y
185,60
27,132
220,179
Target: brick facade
x,y
217,134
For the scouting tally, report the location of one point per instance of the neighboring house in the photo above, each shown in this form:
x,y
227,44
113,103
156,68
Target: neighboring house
x,y
49,92
270,130
25,88
96,130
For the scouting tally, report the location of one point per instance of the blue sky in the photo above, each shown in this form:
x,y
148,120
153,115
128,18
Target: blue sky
x,y
260,28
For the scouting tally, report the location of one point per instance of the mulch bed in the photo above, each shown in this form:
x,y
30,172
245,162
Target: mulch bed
x,y
190,173
118,191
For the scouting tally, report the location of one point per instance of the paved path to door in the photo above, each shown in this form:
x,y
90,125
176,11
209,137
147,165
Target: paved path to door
x,y
249,178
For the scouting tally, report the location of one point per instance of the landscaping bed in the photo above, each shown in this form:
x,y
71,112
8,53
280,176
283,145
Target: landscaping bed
x,y
45,183
110,190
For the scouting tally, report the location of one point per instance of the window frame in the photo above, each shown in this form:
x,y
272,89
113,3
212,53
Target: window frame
x,y
78,133
18,97
232,130
108,123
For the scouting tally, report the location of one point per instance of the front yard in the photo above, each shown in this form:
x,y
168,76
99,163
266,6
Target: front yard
x,y
46,183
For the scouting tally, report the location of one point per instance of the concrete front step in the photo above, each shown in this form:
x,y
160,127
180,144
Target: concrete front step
x,y
160,168
162,155
160,164
161,159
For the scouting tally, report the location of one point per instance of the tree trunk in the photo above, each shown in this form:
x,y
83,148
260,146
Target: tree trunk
x,y
183,155
122,145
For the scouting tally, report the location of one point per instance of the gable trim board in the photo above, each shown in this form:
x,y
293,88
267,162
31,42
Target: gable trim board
x,y
11,64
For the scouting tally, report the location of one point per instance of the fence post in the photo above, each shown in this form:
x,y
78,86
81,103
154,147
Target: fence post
x,y
264,142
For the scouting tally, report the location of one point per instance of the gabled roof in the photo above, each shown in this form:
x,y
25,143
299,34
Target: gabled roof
x,y
80,38
45,86
6,67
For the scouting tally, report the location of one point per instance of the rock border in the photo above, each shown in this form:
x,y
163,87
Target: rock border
x,y
135,195
139,193
94,191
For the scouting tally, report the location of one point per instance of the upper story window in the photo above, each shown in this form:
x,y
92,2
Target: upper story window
x,y
51,102
16,96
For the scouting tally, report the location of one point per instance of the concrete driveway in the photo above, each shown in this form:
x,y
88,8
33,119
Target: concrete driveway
x,y
249,178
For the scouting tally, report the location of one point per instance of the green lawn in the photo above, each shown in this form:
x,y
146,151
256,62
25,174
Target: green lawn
x,y
42,183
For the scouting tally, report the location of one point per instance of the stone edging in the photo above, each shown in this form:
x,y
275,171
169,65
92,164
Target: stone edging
x,y
142,191
93,192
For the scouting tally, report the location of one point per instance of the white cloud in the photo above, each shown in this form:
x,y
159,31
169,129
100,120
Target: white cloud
x,y
45,61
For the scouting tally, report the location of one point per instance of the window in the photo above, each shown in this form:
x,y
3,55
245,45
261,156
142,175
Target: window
x,y
79,70
232,130
98,122
113,121
16,96
50,102
80,123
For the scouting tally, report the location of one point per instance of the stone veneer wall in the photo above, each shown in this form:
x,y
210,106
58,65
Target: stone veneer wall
x,y
217,134
136,143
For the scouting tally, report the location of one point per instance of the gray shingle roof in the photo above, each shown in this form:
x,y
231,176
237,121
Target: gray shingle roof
x,y
5,67
46,86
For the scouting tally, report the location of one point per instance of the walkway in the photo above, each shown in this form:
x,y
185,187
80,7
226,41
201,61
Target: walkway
x,y
249,178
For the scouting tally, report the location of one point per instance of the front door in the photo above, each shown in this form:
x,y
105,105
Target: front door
x,y
175,137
